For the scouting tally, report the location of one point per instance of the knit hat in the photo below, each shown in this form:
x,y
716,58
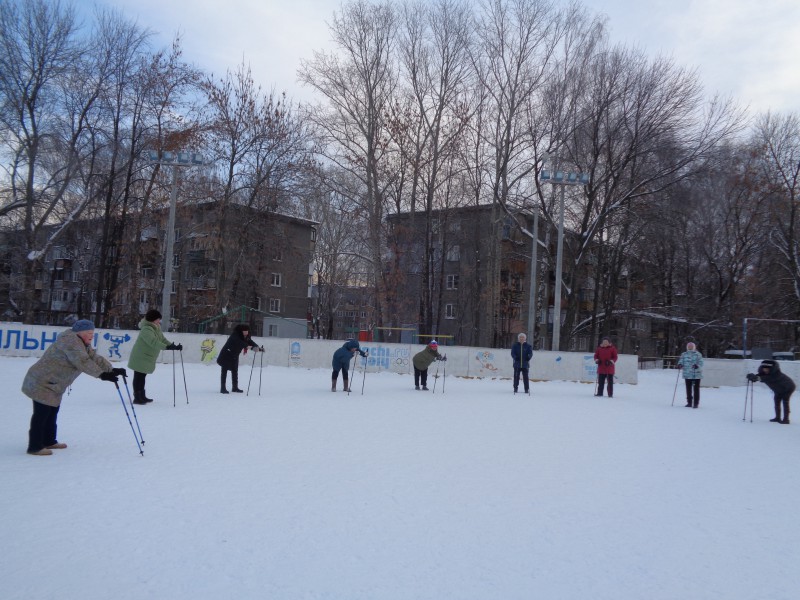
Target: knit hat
x,y
690,346
522,335
83,325
152,315
433,343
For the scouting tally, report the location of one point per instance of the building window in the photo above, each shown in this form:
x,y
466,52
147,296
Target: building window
x,y
260,304
272,330
452,282
276,280
313,235
449,311
277,255
274,305
454,253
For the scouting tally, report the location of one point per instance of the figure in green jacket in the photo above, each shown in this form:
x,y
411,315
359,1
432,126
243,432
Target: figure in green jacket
x,y
145,352
422,360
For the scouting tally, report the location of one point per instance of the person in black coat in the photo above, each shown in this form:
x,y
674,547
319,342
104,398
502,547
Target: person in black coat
x,y
521,352
228,357
781,385
341,362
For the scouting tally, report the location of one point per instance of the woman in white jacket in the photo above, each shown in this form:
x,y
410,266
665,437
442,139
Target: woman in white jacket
x,y
691,362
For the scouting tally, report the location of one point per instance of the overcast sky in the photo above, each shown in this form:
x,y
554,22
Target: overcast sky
x,y
749,50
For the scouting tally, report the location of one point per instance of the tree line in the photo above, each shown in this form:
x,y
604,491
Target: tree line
x,y
688,217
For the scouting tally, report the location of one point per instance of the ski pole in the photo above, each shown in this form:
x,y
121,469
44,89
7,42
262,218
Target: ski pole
x,y
133,410
435,377
364,377
173,379
748,390
125,408
252,367
185,388
444,373
260,370
675,391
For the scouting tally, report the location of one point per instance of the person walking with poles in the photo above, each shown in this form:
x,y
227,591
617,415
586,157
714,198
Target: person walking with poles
x,y
781,385
341,362
145,351
50,376
228,358
422,360
605,357
691,363
521,352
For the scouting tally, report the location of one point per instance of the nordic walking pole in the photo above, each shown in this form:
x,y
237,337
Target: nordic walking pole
x,y
444,373
185,388
260,370
133,410
253,366
675,391
435,377
125,408
364,377
173,379
748,390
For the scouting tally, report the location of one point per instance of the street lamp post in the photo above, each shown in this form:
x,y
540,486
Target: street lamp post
x,y
532,298
563,179
175,160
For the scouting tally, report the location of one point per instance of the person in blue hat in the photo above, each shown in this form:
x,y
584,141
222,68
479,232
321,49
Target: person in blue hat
x,y
50,376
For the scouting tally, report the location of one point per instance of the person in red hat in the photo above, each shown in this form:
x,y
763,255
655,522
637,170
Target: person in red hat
x,y
422,360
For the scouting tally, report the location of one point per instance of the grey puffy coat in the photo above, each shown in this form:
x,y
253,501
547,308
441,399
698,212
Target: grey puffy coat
x,y
51,375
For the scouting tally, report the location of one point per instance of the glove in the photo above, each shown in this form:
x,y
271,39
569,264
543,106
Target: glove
x,y
261,348
609,363
174,347
120,371
752,377
694,366
109,376
445,359
596,361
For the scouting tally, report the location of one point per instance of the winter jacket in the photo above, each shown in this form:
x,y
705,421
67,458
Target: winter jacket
x,y
343,356
50,376
522,354
422,360
229,355
687,361
147,347
605,357
780,383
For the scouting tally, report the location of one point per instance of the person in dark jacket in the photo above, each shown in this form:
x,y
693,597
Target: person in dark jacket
x,y
781,385
521,352
145,351
228,357
341,362
49,377
605,357
691,362
422,360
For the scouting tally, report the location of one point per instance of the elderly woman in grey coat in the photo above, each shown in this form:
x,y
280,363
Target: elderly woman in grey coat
x,y
49,377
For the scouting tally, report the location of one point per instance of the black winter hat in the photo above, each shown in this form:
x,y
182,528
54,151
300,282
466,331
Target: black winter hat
x,y
152,315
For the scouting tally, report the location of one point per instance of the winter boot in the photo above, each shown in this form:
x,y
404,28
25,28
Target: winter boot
x,y
346,384
138,397
42,452
333,385
56,446
425,388
235,382
416,387
145,398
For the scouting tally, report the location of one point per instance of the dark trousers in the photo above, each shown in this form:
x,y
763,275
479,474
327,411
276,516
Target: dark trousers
x,y
234,378
517,372
782,399
345,374
601,383
420,376
43,427
138,381
692,391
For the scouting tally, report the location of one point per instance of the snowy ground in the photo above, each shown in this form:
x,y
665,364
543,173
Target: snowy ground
x,y
394,494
